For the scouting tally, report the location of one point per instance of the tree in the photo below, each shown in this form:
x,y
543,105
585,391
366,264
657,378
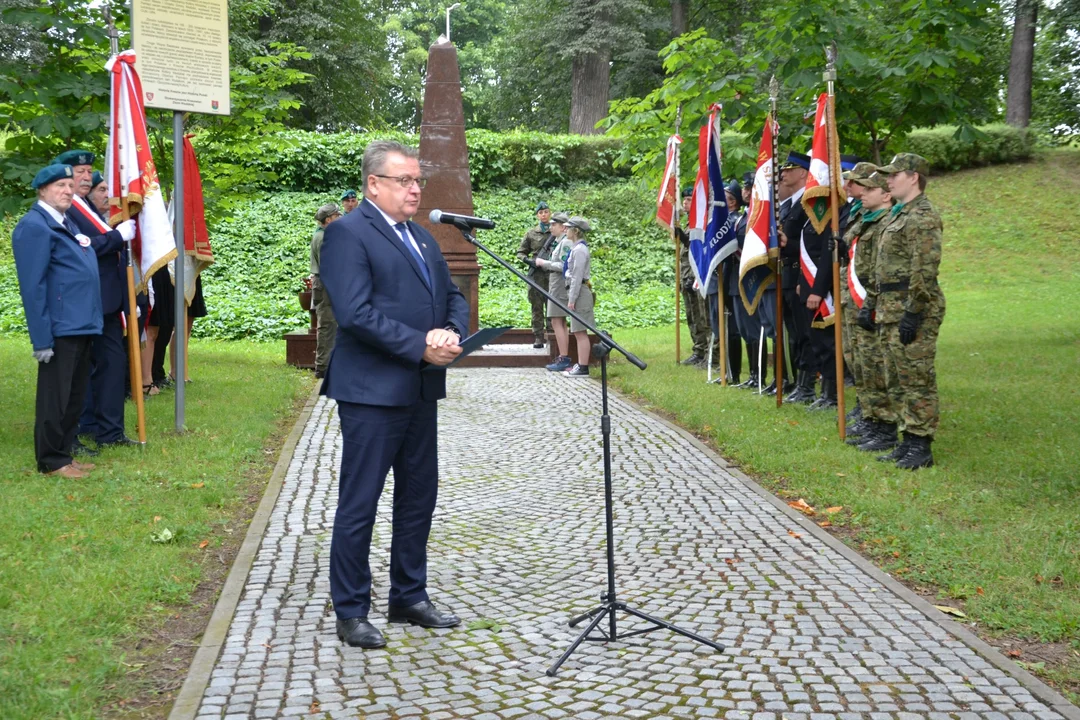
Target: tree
x,y
1056,87
1021,63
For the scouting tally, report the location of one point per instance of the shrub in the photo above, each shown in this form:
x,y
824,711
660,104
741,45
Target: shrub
x,y
997,143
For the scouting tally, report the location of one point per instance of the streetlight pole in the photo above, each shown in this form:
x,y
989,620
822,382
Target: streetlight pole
x,y
455,6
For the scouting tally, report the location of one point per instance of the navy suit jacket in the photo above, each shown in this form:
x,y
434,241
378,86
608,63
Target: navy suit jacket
x,y
58,280
384,310
112,261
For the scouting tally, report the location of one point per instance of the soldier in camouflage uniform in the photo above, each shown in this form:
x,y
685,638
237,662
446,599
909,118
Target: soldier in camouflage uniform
x,y
909,308
854,191
867,353
697,317
534,241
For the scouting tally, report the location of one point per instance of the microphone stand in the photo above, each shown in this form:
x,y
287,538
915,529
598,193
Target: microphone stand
x,y
609,602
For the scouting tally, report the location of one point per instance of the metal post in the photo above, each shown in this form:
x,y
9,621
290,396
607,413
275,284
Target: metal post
x,y
180,333
455,6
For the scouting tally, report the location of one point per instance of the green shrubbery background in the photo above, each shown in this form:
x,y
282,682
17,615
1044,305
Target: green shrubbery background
x,y
262,245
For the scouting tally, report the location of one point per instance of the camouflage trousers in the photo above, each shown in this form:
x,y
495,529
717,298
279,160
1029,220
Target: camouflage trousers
x,y
911,377
697,318
871,383
847,315
327,332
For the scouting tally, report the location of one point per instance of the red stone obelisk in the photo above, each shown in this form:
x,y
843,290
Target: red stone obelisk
x,y
444,158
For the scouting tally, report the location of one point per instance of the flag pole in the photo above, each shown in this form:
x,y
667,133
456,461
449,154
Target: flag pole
x,y
834,210
778,371
180,331
722,324
134,326
675,207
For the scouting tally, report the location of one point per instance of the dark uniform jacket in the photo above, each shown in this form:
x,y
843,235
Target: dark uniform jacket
x,y
797,225
111,260
58,279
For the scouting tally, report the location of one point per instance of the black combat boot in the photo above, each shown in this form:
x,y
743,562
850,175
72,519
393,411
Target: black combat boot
x,y
898,452
828,396
881,438
796,394
804,390
858,433
918,454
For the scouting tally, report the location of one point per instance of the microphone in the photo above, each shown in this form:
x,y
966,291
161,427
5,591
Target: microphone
x,y
438,216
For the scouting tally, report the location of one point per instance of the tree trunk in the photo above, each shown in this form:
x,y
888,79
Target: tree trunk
x,y
1018,103
590,85
680,17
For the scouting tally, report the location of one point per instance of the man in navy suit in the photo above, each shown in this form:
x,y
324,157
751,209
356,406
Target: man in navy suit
x,y
103,411
61,295
398,314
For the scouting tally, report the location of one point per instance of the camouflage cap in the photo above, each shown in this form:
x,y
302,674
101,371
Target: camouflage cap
x,y
909,162
580,223
861,171
560,217
874,180
326,211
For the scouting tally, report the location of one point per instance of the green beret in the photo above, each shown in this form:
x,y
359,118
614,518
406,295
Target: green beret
x,y
909,162
50,174
542,206
74,157
348,194
97,180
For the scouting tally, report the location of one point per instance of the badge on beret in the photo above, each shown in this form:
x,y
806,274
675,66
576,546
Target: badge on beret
x,y
83,240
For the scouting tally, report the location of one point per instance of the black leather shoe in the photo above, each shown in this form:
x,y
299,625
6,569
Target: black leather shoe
x,y
423,613
124,441
358,632
770,389
80,450
538,345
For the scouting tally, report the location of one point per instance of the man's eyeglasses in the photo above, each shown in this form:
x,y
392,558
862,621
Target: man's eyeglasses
x,y
406,181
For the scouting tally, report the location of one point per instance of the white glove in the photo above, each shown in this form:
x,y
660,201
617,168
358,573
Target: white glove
x,y
127,230
43,356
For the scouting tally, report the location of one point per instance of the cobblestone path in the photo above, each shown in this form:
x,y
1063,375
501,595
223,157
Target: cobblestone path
x,y
518,540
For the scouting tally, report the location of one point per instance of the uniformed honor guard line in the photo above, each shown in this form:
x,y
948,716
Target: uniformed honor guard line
x,y
609,602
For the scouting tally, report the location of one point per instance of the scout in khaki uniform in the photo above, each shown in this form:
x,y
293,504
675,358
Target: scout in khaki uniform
x,y
909,308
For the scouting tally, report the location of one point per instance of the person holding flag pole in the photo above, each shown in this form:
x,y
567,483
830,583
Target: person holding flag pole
x,y
778,343
712,227
135,193
835,195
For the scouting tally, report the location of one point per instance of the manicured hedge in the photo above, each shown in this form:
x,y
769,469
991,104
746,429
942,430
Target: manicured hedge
x,y
998,143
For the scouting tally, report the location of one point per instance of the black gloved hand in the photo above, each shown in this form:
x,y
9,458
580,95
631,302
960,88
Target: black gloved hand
x,y
909,327
865,319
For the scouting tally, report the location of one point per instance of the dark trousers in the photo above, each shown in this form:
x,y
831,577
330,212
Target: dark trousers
x,y
377,439
797,327
103,411
823,349
161,347
61,389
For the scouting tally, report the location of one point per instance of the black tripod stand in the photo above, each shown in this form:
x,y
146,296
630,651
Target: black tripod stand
x,y
609,602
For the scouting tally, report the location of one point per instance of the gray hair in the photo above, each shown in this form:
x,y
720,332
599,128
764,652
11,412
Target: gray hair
x,y
375,155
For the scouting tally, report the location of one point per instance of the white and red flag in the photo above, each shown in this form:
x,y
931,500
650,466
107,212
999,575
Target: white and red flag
x,y
134,191
760,243
667,212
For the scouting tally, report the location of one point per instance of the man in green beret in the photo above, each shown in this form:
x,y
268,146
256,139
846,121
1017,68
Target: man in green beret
x,y
534,241
909,307
320,301
349,201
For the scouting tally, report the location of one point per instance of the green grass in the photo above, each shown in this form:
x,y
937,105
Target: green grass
x,y
82,581
995,524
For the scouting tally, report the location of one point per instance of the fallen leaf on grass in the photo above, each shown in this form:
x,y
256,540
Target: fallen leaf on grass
x,y
157,518
792,423
197,485
70,497
841,474
1038,579
896,553
824,523
979,591
1036,666
1014,653
314,707
834,509
794,534
802,507
203,544
484,624
72,659
948,610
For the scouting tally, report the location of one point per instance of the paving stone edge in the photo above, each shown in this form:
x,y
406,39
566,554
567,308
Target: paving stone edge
x,y
1037,687
202,665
